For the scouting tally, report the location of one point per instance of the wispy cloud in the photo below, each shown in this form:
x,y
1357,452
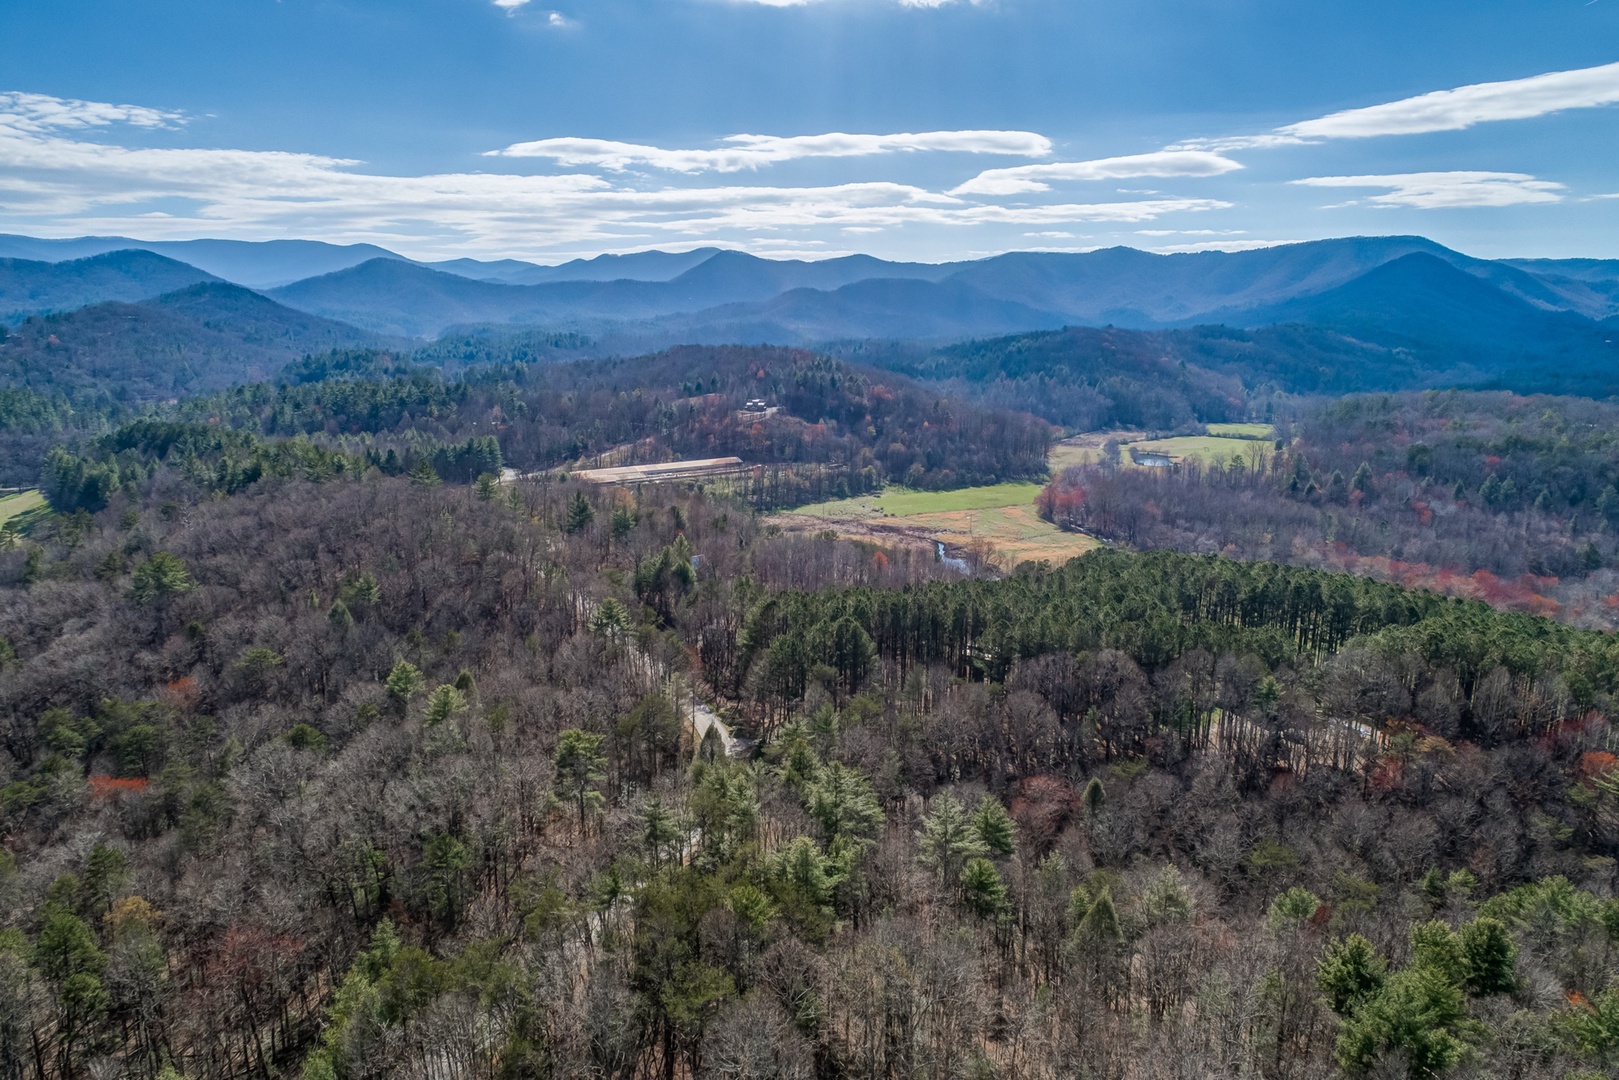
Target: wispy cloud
x,y
1443,110
509,6
753,151
1442,190
1454,110
40,112
1020,179
53,179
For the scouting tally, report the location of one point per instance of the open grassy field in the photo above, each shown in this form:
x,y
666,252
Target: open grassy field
x,y
23,508
1016,533
904,502
1001,514
1206,448
1243,431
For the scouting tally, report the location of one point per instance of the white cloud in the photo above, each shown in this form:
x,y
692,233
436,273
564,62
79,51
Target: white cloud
x,y
509,6
1056,234
1029,178
752,151
1444,190
557,19
53,182
1454,110
40,113
1443,110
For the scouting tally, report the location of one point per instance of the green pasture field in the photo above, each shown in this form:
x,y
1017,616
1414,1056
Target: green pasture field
x,y
905,502
23,509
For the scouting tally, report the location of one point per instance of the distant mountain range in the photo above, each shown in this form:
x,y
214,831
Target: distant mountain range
x,y
1404,295
29,287
203,337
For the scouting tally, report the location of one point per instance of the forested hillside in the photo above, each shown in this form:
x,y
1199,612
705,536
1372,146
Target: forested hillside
x,y
1502,498
192,341
839,428
377,777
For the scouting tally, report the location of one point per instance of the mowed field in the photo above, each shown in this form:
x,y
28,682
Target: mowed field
x,y
1001,515
1223,442
22,508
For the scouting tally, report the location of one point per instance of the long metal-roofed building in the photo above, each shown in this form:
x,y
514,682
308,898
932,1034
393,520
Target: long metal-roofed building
x,y
693,469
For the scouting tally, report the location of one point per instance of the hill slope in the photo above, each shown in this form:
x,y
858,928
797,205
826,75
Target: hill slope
x,y
204,337
29,287
1447,318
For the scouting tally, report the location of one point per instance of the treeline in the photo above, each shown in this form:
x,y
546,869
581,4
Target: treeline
x,y
377,778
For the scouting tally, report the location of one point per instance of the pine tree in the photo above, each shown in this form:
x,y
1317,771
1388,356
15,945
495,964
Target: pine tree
x,y
994,826
424,475
486,486
404,681
580,512
580,769
161,576
947,838
982,889
1351,973
442,704
1101,921
1490,956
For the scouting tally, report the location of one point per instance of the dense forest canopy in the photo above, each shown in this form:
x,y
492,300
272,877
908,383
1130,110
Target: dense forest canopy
x,y
352,775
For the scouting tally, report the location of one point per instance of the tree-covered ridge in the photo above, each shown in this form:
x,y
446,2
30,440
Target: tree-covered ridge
x,y
838,429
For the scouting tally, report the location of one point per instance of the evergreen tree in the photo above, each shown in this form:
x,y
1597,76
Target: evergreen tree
x,y
994,827
842,801
983,891
580,769
947,838
403,683
442,704
580,512
424,475
161,576
1490,956
1351,973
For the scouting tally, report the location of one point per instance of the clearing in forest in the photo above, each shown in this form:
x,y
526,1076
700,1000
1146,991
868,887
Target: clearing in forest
x,y
997,522
22,509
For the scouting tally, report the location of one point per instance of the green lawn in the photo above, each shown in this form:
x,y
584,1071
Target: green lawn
x,y
904,502
24,507
1208,448
1243,431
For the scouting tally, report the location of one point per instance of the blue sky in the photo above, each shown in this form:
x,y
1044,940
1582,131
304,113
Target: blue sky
x,y
921,130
